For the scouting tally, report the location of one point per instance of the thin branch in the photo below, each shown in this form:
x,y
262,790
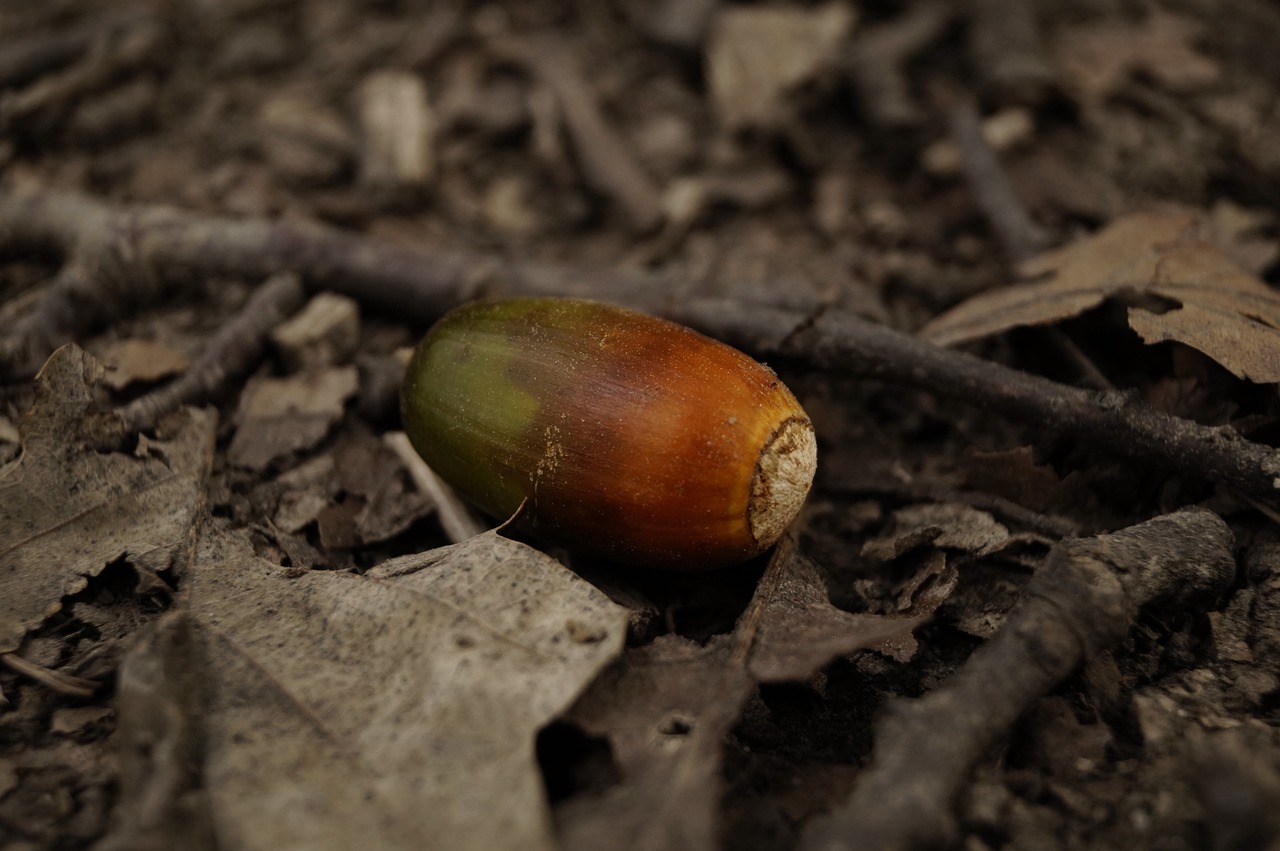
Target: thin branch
x,y
122,47
455,517
1021,237
63,311
606,161
157,243
128,255
33,54
61,682
1008,51
1081,601
878,57
841,342
232,352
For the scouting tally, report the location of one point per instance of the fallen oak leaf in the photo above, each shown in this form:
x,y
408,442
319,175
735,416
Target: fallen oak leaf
x,y
1123,255
365,493
160,692
1226,313
67,510
1254,349
1016,475
395,710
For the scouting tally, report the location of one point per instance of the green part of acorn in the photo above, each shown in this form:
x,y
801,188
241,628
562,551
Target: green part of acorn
x,y
624,435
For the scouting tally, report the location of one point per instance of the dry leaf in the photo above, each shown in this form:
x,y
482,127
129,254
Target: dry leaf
x,y
377,493
325,332
308,489
665,709
1245,233
160,698
1226,313
134,360
756,55
307,141
1098,58
950,525
280,416
73,720
800,631
393,710
66,511
1013,474
358,492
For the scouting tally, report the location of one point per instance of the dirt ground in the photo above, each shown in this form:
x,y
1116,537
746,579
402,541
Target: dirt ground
x,y
1016,260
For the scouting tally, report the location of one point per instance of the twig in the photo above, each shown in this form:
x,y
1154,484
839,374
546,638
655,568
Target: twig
x,y
1007,50
67,684
118,49
155,243
232,352
842,342
30,55
878,58
60,313
928,489
606,161
1021,237
459,525
1087,371
1080,602
118,257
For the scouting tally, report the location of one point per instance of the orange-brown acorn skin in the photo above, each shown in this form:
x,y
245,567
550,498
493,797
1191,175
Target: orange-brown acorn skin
x,y
629,436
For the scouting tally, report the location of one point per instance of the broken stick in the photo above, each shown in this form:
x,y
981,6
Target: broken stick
x,y
232,352
127,249
839,341
1080,602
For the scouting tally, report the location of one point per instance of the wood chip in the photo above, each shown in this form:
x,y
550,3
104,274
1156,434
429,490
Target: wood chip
x,y
280,416
136,361
322,334
306,141
757,54
398,127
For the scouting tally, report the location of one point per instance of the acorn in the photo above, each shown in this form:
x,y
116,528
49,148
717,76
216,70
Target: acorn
x,y
623,435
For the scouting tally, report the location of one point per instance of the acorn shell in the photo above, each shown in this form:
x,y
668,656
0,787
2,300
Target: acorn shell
x,y
629,436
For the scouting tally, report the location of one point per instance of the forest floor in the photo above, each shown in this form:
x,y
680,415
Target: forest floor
x,y
1018,262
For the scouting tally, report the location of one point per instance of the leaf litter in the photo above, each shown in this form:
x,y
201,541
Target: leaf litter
x,y
1166,109
285,708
